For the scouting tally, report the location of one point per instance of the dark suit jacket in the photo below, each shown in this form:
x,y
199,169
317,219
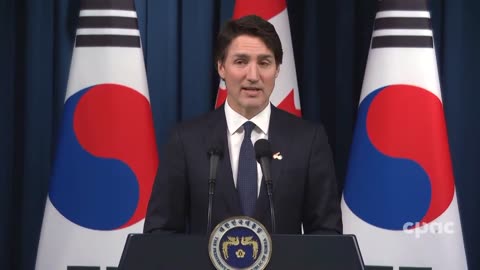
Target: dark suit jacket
x,y
304,185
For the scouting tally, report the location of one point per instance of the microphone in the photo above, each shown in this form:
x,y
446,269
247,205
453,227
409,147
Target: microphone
x,y
215,153
263,154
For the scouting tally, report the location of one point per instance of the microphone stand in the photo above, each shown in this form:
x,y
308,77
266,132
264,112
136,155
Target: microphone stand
x,y
265,164
270,199
211,192
214,158
263,154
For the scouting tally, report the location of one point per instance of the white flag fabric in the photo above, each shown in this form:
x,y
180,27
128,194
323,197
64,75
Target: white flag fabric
x,y
399,196
106,157
285,94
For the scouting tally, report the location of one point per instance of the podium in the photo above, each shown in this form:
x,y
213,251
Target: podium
x,y
178,251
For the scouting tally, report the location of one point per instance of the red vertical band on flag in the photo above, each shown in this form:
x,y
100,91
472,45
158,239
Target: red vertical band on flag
x,y
263,8
221,97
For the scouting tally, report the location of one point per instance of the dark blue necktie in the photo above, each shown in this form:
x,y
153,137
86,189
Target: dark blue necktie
x,y
247,172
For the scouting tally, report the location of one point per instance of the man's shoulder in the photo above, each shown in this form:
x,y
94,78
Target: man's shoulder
x,y
202,122
294,122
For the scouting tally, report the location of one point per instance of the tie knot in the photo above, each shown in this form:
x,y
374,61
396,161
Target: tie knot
x,y
248,127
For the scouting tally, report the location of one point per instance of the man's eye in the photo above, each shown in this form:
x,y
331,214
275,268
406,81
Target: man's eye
x,y
240,62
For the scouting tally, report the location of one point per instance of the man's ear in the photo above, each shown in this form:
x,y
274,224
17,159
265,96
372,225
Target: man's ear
x,y
221,70
277,72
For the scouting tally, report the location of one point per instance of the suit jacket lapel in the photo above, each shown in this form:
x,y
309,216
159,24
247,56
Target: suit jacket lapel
x,y
278,137
225,189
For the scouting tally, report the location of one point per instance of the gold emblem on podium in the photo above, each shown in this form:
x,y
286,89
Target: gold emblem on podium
x,y
240,243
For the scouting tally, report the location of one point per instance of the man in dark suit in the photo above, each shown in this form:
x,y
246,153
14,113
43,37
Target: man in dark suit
x,y
248,57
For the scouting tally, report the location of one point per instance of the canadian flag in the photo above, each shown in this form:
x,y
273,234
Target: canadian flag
x,y
285,94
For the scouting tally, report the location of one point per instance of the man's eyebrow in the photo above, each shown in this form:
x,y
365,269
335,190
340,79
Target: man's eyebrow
x,y
265,56
241,55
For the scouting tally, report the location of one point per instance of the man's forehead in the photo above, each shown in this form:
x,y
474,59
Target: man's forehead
x,y
247,46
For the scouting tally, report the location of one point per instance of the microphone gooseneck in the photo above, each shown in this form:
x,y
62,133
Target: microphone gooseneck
x,y
263,154
215,153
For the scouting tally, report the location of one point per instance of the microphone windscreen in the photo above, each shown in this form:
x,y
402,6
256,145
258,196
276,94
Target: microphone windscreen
x,y
262,149
216,149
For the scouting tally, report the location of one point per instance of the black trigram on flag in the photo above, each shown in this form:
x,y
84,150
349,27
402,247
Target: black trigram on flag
x,y
107,23
402,24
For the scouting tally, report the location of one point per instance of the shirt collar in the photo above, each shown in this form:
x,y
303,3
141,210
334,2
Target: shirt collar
x,y
236,120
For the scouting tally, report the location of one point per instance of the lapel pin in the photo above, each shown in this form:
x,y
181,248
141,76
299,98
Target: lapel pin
x,y
277,156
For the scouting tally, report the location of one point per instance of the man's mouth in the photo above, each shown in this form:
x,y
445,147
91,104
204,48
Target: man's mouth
x,y
251,88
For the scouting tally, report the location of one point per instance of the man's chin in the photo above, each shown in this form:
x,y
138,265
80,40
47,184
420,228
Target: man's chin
x,y
255,106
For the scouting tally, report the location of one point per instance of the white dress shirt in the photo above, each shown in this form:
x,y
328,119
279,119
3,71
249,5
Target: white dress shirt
x,y
235,134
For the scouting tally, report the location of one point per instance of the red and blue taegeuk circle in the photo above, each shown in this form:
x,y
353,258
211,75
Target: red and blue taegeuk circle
x,y
400,168
106,159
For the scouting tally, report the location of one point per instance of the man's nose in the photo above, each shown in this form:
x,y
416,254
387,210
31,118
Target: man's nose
x,y
252,73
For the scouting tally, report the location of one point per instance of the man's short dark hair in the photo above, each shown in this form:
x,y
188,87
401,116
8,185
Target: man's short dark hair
x,y
251,25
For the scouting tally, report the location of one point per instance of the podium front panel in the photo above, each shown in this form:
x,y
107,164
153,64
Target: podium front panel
x,y
178,251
